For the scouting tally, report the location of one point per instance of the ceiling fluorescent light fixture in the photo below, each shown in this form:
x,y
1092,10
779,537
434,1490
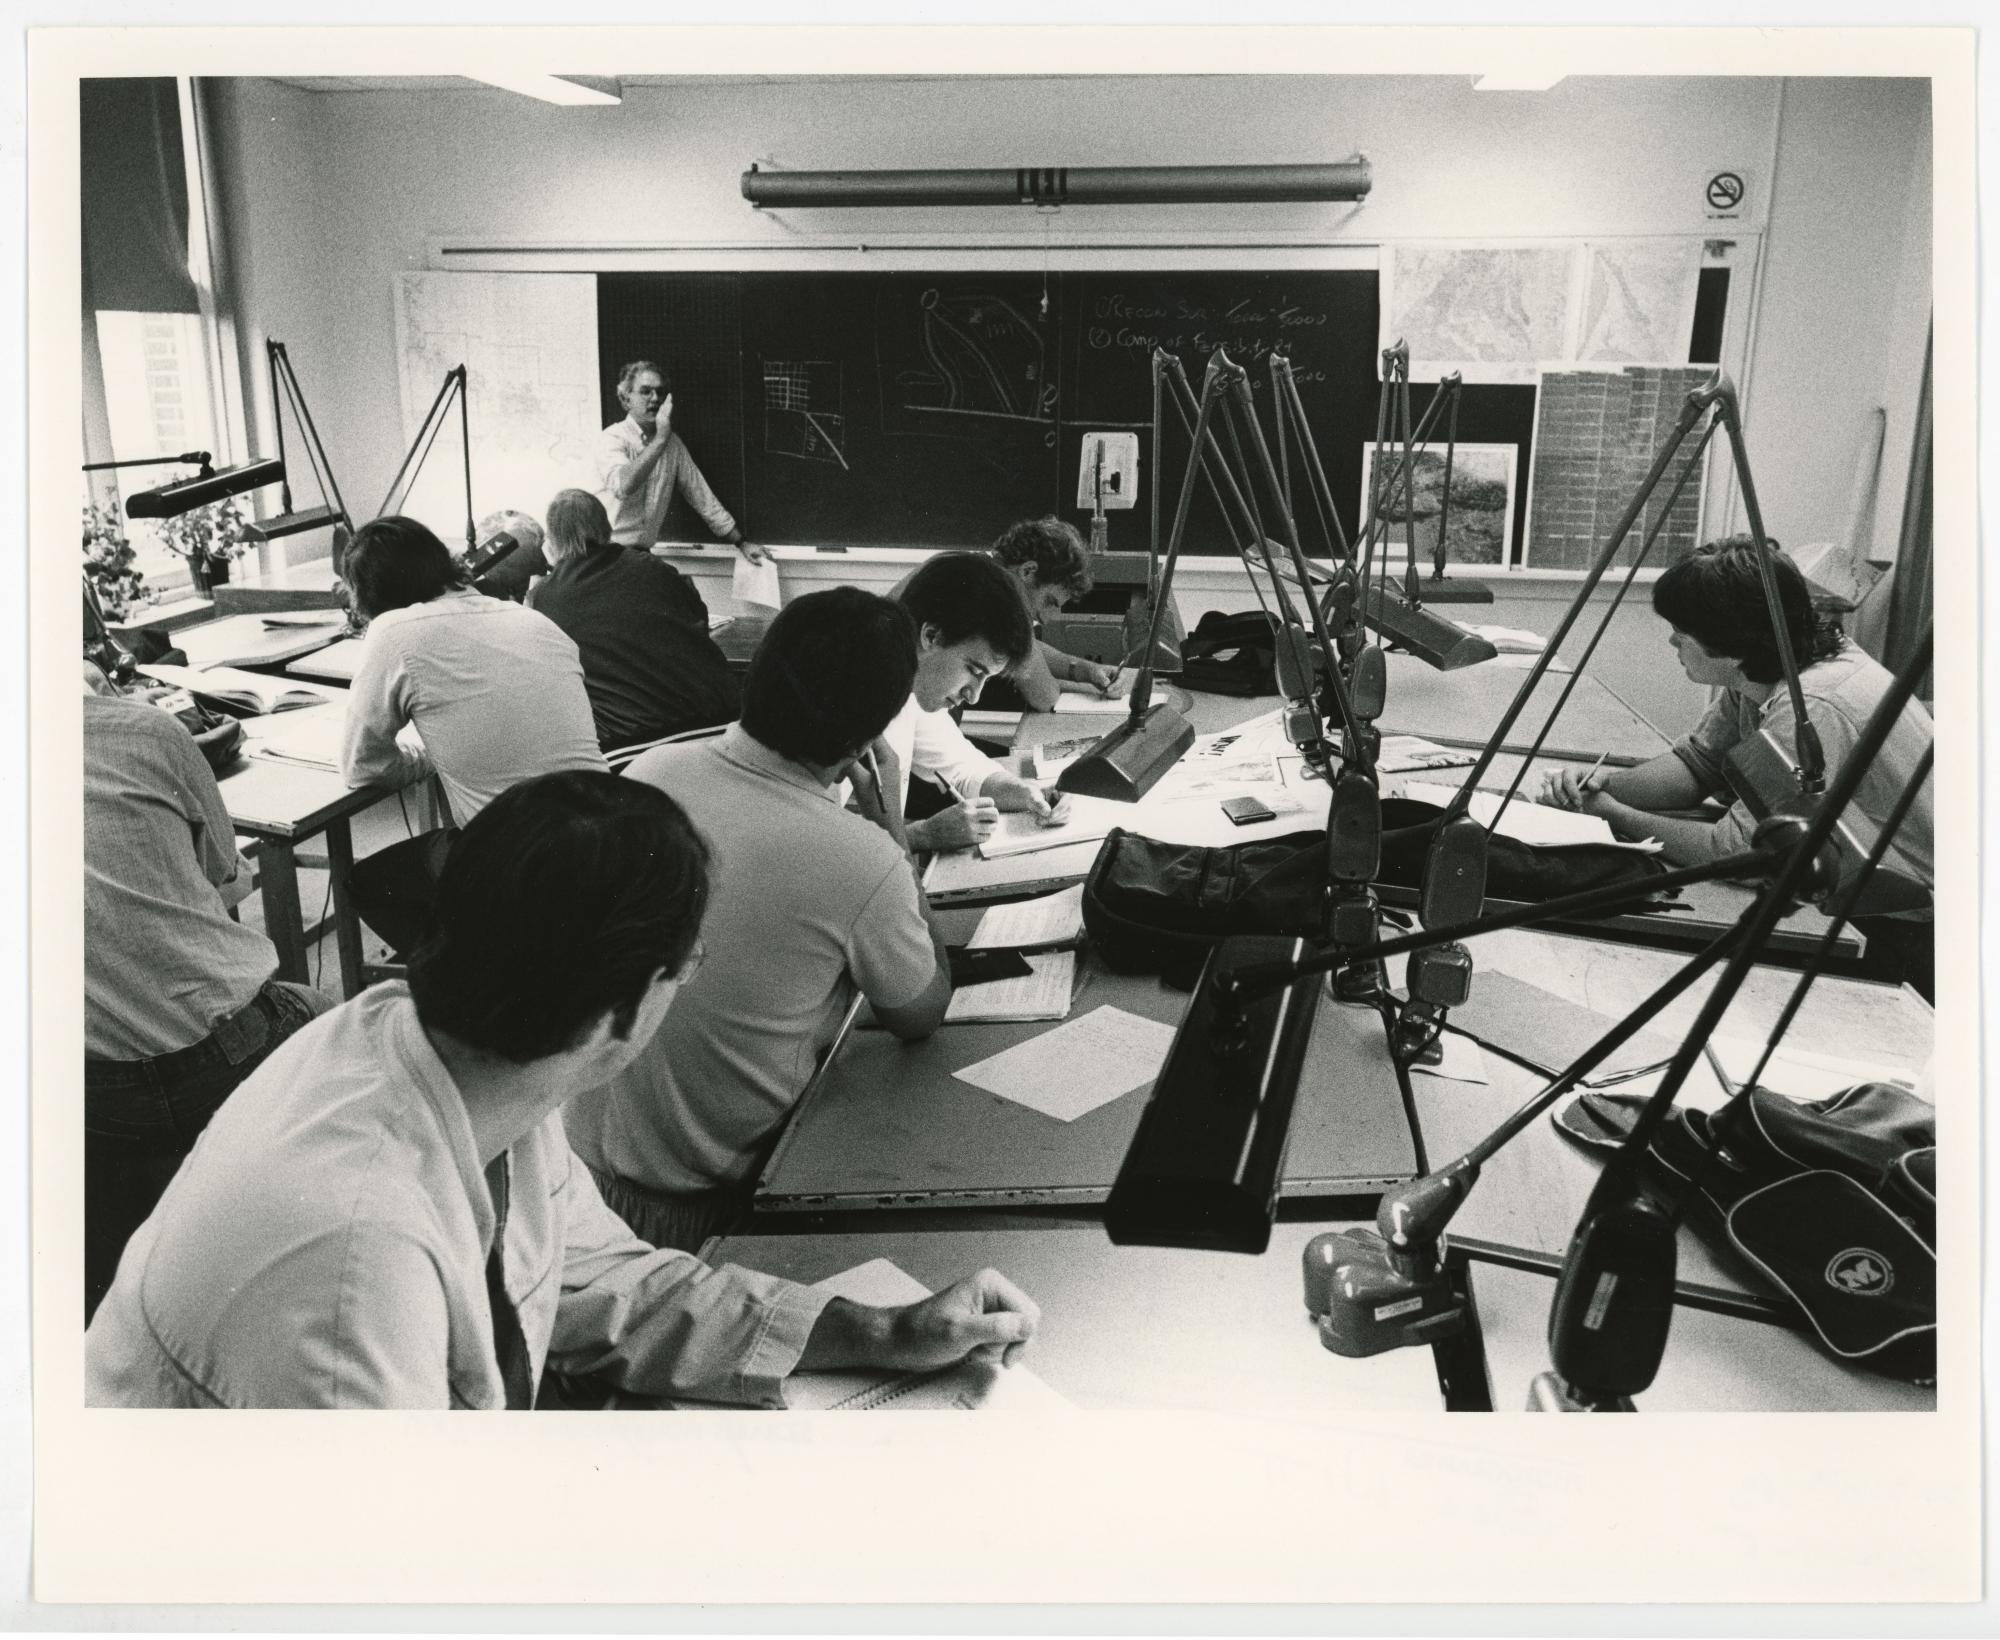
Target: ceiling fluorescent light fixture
x,y
553,88
1520,80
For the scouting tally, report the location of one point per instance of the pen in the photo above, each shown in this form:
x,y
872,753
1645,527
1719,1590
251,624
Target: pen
x,y
1592,775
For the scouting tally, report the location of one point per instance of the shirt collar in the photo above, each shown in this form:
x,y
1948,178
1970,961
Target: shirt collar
x,y
746,751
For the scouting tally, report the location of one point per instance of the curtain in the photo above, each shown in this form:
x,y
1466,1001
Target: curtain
x,y
135,198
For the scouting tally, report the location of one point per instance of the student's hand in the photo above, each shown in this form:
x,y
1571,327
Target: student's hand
x,y
752,553
1049,806
984,1317
1566,788
877,802
1108,681
963,825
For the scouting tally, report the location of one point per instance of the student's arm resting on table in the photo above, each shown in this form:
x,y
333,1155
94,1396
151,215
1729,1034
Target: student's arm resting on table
x,y
1037,679
377,707
1080,675
664,1323
1013,793
984,1317
209,826
1663,782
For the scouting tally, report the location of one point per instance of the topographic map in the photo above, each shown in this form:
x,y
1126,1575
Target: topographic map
x,y
1638,301
1490,312
529,345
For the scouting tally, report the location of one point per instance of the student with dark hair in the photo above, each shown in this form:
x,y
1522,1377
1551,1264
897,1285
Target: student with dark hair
x,y
387,1214
812,902
1723,637
971,626
639,626
495,691
1046,558
641,462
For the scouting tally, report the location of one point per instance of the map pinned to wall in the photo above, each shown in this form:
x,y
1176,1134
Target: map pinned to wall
x,y
529,345
1501,313
1493,313
1638,301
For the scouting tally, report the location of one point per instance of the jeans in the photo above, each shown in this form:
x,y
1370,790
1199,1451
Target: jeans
x,y
141,1117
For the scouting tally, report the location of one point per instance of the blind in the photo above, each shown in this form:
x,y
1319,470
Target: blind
x,y
135,198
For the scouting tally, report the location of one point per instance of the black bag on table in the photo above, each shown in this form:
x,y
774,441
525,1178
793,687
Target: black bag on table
x,y
1153,907
1833,1201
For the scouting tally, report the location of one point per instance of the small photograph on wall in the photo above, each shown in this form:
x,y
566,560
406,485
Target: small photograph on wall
x,y
1480,525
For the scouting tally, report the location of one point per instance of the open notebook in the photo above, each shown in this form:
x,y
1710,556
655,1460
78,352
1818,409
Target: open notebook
x,y
250,693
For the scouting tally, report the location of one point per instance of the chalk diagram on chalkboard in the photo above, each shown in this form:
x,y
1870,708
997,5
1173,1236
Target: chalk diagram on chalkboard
x,y
978,356
802,416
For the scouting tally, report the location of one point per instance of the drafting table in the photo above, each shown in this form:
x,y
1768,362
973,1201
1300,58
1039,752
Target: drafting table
x,y
1138,1327
886,1124
1532,1192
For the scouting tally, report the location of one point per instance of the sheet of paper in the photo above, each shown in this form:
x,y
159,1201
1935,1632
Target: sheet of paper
x,y
1507,639
1041,921
1219,765
1462,1061
756,583
1090,820
967,1386
1799,1073
312,736
1069,1071
1073,701
1527,822
1042,993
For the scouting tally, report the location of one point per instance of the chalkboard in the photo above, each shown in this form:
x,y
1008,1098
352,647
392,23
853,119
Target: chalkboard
x,y
931,410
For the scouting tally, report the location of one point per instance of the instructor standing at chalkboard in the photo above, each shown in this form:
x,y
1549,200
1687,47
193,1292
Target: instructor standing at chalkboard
x,y
641,462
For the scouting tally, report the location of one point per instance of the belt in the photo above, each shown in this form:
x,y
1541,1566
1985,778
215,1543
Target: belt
x,y
236,1036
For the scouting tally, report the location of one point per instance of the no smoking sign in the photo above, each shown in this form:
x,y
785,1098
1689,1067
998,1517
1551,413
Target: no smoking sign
x,y
1724,195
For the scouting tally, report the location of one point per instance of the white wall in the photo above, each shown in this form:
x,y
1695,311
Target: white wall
x,y
331,194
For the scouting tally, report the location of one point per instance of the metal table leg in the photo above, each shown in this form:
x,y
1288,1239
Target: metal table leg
x,y
284,923
346,926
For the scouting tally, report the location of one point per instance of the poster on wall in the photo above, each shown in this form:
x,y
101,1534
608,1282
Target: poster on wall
x,y
1479,527
528,342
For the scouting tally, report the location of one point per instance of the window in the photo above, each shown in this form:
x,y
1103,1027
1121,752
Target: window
x,y
156,402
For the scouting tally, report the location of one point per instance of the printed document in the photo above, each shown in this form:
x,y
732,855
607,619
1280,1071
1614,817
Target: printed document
x,y
1069,1071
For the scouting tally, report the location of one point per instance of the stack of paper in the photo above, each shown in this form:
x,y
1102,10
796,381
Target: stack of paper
x,y
312,738
1042,993
1399,754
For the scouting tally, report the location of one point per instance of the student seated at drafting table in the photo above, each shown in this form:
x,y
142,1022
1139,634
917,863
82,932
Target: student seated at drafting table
x,y
387,1213
1046,558
1722,637
971,625
181,1002
495,690
811,902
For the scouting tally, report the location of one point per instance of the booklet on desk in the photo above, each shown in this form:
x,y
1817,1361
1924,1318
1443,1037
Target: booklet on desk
x,y
1043,993
249,694
1090,821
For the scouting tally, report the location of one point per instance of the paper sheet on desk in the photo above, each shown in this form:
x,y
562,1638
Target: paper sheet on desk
x,y
1090,821
1069,1071
756,583
1047,920
967,1386
1075,702
1527,822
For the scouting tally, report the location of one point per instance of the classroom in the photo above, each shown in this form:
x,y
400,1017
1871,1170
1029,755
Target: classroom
x,y
603,969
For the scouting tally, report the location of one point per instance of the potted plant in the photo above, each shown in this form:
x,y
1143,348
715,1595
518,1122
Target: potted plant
x,y
210,538
108,561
